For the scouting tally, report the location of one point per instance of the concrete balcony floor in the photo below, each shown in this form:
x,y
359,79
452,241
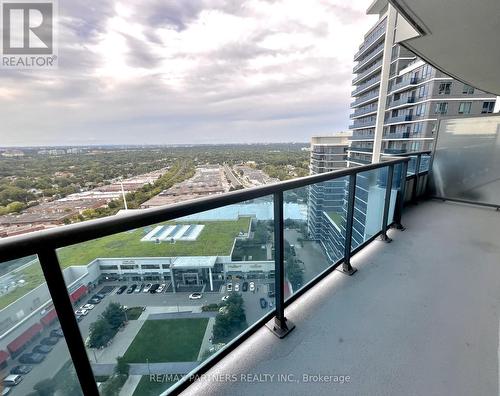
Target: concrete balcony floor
x,y
420,317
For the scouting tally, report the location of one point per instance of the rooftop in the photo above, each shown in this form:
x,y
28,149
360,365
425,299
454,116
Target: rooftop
x,y
421,316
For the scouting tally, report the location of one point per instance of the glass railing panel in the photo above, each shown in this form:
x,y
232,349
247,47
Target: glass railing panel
x,y
165,297
412,164
315,237
368,205
425,160
32,346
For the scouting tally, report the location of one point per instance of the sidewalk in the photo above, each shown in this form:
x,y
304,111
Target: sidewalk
x,y
119,345
205,343
130,385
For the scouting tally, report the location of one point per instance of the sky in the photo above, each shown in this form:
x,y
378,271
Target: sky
x,y
189,71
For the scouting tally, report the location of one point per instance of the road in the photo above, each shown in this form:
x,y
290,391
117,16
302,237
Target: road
x,y
59,355
231,176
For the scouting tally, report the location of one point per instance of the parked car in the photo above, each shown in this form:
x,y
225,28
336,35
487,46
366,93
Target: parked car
x,y
79,318
154,288
147,288
99,295
6,390
131,289
237,287
244,286
94,301
31,358
224,299
88,307
121,289
81,312
223,310
139,288
263,303
252,286
12,380
195,296
22,369
50,341
57,333
161,288
42,349
229,287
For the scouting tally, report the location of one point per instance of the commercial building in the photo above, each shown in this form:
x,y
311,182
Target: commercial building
x,y
398,98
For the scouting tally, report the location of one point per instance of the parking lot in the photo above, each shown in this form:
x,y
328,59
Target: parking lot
x,y
179,301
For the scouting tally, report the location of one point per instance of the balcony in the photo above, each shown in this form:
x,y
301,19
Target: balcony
x,y
362,123
137,239
366,85
399,119
402,101
368,72
405,84
374,37
365,110
421,320
369,97
369,57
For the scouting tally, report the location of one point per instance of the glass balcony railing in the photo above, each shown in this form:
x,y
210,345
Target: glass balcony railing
x,y
170,291
405,83
400,118
367,72
368,57
402,101
374,36
362,124
365,98
365,85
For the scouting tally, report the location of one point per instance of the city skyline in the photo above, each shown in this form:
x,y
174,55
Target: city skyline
x,y
169,74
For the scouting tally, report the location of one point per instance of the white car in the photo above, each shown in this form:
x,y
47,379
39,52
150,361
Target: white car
x,y
229,287
88,307
223,310
195,296
161,288
146,288
81,312
225,298
237,287
252,286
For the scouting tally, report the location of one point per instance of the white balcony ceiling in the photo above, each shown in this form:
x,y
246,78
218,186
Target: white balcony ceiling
x,y
459,37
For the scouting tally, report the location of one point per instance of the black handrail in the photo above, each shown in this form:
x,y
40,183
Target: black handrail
x,y
44,244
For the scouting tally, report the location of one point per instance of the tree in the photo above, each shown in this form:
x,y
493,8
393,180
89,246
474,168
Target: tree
x,y
294,273
114,315
122,367
232,321
45,387
100,333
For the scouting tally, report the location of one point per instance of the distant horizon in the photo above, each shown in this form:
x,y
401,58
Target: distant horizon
x,y
152,145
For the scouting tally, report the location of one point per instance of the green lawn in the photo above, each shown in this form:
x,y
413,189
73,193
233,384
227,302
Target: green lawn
x,y
133,313
169,340
148,387
216,239
336,218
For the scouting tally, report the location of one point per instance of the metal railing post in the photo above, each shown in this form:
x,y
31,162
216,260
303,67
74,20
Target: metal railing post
x,y
401,201
64,308
346,265
279,325
415,186
388,190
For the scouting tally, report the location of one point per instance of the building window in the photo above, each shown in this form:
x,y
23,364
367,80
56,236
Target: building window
x,y
464,107
488,107
441,108
468,90
444,88
422,91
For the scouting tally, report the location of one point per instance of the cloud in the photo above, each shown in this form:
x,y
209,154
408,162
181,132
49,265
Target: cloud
x,y
189,71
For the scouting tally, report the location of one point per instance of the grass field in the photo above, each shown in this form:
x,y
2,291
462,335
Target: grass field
x,y
147,387
216,239
170,340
